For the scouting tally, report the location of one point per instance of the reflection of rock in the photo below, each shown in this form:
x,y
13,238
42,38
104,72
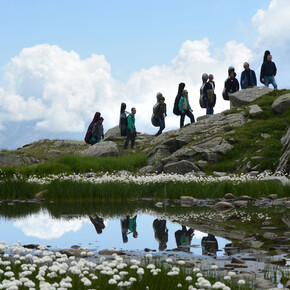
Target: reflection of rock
x,y
73,252
223,206
269,235
102,149
229,196
264,284
109,252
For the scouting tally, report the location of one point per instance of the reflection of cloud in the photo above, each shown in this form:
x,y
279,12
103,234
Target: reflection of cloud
x,y
199,235
43,226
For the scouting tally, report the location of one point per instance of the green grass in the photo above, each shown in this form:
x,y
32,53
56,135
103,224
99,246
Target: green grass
x,y
121,191
248,140
81,164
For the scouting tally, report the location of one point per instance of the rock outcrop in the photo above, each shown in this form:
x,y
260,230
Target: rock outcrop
x,y
284,162
102,149
281,104
247,96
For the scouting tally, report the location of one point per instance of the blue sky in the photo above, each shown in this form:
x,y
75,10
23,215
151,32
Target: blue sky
x,y
63,60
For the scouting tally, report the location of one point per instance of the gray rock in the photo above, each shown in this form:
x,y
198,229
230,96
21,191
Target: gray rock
x,y
158,167
254,173
102,149
272,196
281,104
265,136
113,134
159,204
245,198
73,252
269,236
158,153
147,169
124,173
223,206
279,201
201,163
188,199
217,173
287,204
264,284
229,196
284,161
236,260
254,110
180,167
10,160
247,96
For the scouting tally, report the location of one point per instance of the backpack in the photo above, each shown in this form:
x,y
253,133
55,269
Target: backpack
x,y
177,99
89,134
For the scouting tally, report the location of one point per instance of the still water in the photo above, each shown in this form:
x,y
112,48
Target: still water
x,y
131,233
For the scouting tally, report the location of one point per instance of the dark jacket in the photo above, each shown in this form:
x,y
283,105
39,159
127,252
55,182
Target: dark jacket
x,y
206,87
244,79
98,131
232,85
268,68
159,110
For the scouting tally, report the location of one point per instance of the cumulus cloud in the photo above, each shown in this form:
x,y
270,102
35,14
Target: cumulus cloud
x,y
42,226
273,24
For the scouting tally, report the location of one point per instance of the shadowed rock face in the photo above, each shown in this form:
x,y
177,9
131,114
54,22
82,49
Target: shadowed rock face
x,y
247,96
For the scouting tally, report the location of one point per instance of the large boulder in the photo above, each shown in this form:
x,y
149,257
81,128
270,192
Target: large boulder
x,y
247,96
102,149
281,104
180,167
113,134
14,160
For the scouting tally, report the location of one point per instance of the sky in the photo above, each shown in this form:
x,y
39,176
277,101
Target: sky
x,y
61,61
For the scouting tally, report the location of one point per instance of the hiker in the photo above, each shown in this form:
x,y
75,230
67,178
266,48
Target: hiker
x,y
266,53
98,223
209,97
128,226
268,72
160,233
183,238
232,84
131,130
248,77
159,113
185,109
98,131
88,136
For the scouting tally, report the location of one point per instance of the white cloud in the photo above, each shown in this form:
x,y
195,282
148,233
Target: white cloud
x,y
42,226
273,24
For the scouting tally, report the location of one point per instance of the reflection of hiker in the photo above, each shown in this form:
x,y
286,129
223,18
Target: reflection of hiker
x,y
131,129
97,132
159,113
160,233
183,238
88,136
98,224
184,108
128,226
209,97
209,245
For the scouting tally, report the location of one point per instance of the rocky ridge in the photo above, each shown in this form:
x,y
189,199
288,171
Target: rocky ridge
x,y
184,150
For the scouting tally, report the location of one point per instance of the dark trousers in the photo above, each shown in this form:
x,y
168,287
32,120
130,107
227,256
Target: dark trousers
x,y
130,136
161,123
209,108
188,114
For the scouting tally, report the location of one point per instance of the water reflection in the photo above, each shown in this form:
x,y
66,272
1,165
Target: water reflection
x,y
160,233
209,245
183,238
98,223
129,226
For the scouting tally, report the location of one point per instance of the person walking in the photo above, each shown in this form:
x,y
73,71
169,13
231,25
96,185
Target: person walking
x,y
185,109
131,129
159,113
268,72
98,131
209,97
248,77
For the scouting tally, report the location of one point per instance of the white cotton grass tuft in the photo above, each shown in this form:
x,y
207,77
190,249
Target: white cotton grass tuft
x,y
241,282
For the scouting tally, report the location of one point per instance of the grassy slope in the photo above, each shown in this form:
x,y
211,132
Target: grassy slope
x,y
248,141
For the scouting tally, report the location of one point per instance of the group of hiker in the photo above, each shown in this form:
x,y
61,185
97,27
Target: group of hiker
x,y
182,108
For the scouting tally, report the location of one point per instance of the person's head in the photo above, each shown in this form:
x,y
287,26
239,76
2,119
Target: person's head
x,y
185,93
99,230
162,246
101,119
269,57
135,235
133,111
162,100
232,74
246,66
210,77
